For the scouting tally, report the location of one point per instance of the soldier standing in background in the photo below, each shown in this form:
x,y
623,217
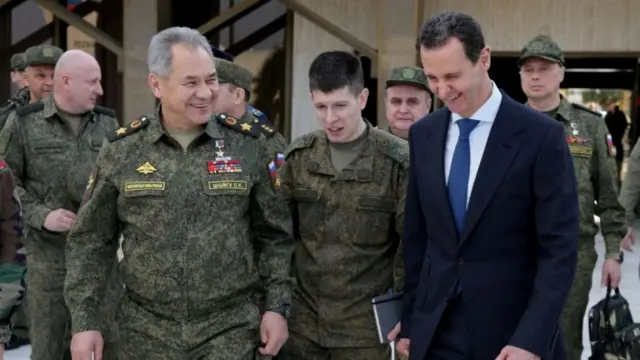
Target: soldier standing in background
x,y
17,68
39,63
541,66
235,91
407,99
51,147
11,237
346,187
205,231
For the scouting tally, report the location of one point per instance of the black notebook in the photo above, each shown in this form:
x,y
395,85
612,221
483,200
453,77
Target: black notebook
x,y
387,310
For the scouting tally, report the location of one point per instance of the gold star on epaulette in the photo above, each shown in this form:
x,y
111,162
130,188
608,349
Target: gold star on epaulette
x,y
246,127
130,129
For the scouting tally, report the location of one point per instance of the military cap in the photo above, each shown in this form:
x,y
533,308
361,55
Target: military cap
x,y
235,74
42,55
542,46
408,75
17,62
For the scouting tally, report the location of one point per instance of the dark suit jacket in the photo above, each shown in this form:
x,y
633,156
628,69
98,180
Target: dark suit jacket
x,y
516,256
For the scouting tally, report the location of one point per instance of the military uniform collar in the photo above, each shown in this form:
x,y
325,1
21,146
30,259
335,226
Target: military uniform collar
x,y
156,128
565,110
50,108
360,169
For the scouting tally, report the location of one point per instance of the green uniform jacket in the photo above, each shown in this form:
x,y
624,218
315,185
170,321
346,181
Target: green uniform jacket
x,y
630,192
348,227
50,163
204,229
21,99
596,173
11,236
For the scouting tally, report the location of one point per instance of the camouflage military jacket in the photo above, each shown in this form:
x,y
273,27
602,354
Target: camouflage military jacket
x,y
276,143
204,229
50,163
348,226
21,99
11,235
596,173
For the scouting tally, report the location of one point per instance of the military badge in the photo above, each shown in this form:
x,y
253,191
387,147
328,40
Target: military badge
x,y
146,168
47,52
273,173
3,164
611,148
88,191
408,73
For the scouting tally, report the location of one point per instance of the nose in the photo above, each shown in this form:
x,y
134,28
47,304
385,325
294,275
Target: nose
x,y
99,91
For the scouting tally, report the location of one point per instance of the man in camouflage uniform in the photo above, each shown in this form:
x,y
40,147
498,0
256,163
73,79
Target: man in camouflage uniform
x,y
235,91
192,196
39,63
17,68
11,236
407,99
51,147
346,186
541,66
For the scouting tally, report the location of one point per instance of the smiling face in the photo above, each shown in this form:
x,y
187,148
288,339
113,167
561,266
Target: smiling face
x,y
188,93
340,113
454,78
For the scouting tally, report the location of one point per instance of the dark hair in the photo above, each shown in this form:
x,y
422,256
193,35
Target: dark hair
x,y
442,27
333,70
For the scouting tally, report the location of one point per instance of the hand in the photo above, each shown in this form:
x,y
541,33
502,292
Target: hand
x,y
394,333
1,351
59,220
513,353
85,343
273,333
611,273
402,347
629,239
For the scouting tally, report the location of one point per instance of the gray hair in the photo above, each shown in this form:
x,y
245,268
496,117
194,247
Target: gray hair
x,y
159,55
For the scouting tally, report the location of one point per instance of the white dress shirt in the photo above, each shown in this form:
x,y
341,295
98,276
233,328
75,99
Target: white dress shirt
x,y
486,114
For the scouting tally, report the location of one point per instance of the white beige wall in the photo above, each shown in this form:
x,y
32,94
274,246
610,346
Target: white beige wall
x,y
579,26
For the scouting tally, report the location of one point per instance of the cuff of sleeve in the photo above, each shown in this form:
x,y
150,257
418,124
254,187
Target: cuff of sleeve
x,y
83,324
612,245
277,295
5,333
36,217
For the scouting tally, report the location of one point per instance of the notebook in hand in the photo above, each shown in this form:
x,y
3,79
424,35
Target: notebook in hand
x,y
387,310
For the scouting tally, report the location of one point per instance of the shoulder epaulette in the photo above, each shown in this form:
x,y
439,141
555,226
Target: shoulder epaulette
x,y
395,148
104,110
302,142
584,108
135,126
30,109
241,127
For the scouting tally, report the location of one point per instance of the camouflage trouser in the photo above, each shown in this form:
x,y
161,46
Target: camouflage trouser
x,y
49,319
299,347
20,319
577,301
144,335
11,294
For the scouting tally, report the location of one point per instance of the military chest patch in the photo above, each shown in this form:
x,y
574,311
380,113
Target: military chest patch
x,y
579,146
144,185
227,185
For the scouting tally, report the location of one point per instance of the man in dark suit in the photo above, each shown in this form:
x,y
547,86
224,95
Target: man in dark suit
x,y
491,218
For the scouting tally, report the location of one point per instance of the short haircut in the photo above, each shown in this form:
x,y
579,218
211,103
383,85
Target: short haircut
x,y
333,70
444,26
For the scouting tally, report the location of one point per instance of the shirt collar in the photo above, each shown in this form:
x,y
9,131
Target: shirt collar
x,y
488,111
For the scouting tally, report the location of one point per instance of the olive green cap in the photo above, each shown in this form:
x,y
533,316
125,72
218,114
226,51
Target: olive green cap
x,y
42,55
542,46
235,74
17,62
408,75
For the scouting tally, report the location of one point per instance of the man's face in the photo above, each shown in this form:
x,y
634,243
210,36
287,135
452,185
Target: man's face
x,y
406,104
340,112
454,78
192,86
84,87
17,78
540,78
39,79
228,99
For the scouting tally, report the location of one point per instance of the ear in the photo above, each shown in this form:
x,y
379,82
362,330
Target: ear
x,y
238,95
154,84
485,58
561,74
363,97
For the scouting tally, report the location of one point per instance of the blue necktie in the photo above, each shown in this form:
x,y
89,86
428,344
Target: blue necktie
x,y
459,172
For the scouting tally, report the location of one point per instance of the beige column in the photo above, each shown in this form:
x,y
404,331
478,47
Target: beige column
x,y
140,24
397,33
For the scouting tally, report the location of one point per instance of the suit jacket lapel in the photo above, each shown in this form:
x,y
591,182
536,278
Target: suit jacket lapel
x,y
435,149
501,149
